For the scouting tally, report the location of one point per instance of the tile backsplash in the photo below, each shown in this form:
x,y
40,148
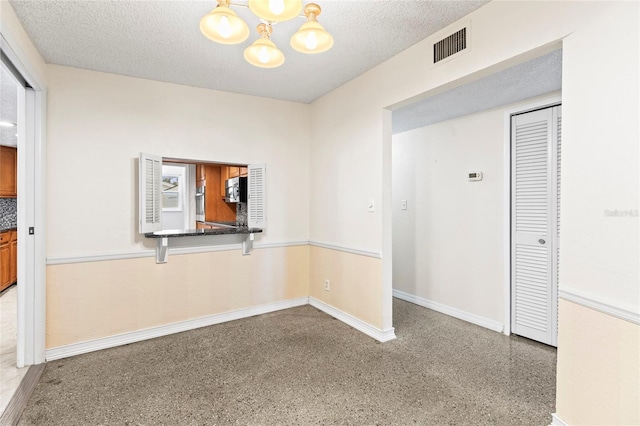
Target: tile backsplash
x,y
241,214
8,213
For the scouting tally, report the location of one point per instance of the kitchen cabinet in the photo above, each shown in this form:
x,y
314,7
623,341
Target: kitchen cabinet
x,y
228,172
200,172
8,169
216,210
8,258
13,257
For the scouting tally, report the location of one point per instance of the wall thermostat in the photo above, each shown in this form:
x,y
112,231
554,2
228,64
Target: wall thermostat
x,y
475,176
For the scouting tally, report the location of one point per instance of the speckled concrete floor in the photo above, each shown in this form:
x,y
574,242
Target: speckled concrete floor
x,y
300,366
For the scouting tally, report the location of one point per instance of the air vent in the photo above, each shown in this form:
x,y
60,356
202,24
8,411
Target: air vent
x,y
451,45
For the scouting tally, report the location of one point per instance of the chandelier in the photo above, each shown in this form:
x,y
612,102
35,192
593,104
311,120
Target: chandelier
x,y
224,26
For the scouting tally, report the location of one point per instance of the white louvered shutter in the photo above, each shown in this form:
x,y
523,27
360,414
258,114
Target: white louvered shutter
x,y
257,209
534,225
150,192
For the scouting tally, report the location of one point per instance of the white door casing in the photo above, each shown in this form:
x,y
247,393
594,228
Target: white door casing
x,y
535,223
31,203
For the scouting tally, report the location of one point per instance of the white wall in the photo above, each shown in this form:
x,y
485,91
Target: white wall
x,y
601,255
448,244
98,124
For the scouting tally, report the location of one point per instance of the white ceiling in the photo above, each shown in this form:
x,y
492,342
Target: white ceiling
x,y
161,40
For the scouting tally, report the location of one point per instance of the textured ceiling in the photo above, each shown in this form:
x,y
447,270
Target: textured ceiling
x,y
161,40
532,78
8,107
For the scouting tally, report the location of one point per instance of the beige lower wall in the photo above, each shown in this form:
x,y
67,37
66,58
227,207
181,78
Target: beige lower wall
x,y
87,301
355,283
598,376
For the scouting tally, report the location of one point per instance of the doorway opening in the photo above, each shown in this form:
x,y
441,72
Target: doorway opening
x,y
28,106
11,93
451,191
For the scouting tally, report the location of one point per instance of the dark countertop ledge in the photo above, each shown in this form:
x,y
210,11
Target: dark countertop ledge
x,y
11,228
227,230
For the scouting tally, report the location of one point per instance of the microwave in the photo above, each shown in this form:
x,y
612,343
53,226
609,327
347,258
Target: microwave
x,y
236,190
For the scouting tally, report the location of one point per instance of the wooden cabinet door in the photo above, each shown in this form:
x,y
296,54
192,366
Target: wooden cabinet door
x,y
244,172
13,257
8,169
216,209
234,171
5,259
224,175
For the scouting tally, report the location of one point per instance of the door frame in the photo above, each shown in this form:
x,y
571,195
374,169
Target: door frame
x,y
538,103
31,320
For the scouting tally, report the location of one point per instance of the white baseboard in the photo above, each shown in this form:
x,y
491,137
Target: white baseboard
x,y
369,330
557,421
165,330
150,333
451,311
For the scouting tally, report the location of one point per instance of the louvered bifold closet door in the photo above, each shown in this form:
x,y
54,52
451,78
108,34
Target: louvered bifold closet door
x,y
534,225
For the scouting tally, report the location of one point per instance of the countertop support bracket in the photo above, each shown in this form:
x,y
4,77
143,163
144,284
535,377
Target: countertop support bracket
x,y
162,250
247,244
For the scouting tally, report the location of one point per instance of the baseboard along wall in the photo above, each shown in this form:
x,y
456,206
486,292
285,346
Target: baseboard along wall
x,y
165,330
451,311
379,335
557,421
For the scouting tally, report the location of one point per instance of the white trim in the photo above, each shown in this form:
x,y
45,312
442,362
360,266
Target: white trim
x,y
600,305
369,330
557,421
553,99
451,311
31,307
506,221
279,245
164,330
19,59
63,260
387,220
374,254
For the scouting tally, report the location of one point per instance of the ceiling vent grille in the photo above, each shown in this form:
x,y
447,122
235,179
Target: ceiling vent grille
x,y
450,45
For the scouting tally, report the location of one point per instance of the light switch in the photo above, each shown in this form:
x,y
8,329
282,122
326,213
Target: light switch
x,y
372,207
403,204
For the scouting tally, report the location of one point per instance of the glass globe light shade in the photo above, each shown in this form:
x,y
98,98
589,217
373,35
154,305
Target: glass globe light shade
x,y
264,53
224,26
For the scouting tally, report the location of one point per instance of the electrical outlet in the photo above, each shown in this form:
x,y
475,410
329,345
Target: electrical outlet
x,y
403,204
326,285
